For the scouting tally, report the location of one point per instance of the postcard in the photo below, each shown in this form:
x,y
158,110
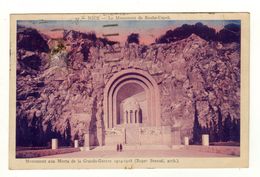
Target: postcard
x,y
129,90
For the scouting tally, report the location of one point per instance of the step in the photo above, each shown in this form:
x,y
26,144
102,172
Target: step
x,y
136,147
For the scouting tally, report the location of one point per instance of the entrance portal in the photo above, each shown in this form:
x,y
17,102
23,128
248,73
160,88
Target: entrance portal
x,y
131,96
131,105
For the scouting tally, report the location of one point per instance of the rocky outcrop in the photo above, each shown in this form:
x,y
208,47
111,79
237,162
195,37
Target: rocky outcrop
x,y
60,83
31,40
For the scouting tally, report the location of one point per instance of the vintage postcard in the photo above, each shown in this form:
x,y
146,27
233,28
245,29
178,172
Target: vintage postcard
x,y
152,90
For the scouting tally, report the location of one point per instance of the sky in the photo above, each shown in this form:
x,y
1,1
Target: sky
x,y
148,30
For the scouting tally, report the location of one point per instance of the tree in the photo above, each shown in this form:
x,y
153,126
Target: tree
x,y
205,129
196,127
23,133
230,33
49,134
67,133
213,131
220,125
133,38
85,50
186,30
235,135
227,128
60,47
31,40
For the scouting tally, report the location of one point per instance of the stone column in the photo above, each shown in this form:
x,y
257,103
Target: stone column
x,y
54,143
186,141
76,143
205,140
134,116
124,117
130,116
127,117
137,118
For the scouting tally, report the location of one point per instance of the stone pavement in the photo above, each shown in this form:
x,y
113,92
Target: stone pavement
x,y
131,152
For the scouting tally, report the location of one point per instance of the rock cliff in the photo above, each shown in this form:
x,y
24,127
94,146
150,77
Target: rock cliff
x,y
60,82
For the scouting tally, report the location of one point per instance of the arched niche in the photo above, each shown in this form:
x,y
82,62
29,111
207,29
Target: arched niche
x,y
121,79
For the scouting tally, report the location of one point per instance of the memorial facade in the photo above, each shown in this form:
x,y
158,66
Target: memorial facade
x,y
132,110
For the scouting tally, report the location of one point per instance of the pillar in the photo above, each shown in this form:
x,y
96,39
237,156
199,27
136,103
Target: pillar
x,y
134,121
76,143
124,117
186,141
135,112
54,143
137,118
205,140
131,116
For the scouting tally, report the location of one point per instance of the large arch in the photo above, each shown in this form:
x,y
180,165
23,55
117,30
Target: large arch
x,y
123,77
147,91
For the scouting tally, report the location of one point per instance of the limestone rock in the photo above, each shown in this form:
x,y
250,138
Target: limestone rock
x,y
69,95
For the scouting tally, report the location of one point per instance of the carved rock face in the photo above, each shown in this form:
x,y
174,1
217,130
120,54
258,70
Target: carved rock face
x,y
186,70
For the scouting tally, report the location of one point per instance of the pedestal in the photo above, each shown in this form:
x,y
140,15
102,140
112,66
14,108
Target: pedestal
x,y
205,140
76,143
54,143
186,141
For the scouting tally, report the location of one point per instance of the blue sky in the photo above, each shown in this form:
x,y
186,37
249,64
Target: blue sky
x,y
49,24
148,29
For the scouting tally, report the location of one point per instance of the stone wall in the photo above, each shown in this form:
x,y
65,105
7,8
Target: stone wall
x,y
164,135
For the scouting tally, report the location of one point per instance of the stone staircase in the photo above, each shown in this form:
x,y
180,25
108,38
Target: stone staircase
x,y
135,147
